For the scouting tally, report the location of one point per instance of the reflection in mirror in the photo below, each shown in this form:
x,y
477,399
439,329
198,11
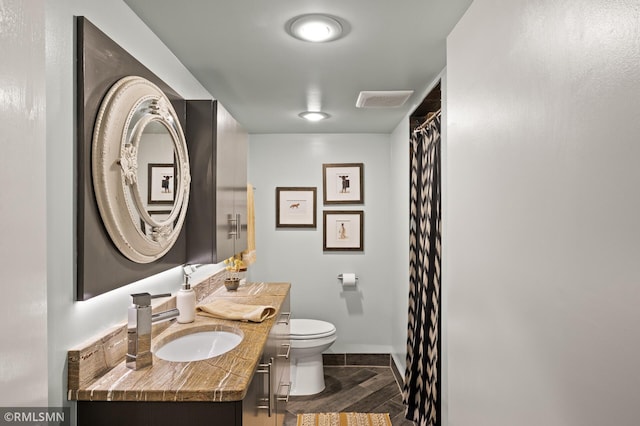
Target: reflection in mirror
x,y
141,169
156,178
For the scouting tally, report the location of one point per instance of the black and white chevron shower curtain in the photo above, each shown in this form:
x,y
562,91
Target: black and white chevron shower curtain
x,y
421,393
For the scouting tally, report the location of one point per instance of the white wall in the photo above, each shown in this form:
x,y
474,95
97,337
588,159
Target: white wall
x,y
69,322
362,317
399,239
23,309
542,214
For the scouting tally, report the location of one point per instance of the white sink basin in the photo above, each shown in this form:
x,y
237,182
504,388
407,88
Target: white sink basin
x,y
198,346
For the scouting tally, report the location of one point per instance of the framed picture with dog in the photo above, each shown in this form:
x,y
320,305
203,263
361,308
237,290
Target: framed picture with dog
x,y
161,183
343,183
296,207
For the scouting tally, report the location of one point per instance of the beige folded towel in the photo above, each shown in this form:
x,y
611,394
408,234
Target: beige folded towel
x,y
225,309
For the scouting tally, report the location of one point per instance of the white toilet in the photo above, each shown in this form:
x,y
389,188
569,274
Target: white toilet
x,y
309,338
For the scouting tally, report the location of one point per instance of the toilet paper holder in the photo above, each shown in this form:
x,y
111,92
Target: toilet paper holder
x,y
340,277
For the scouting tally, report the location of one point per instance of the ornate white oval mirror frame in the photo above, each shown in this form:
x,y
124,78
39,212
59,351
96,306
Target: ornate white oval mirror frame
x,y
132,104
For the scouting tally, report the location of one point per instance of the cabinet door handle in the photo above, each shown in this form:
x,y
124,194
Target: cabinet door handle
x,y
286,354
266,403
286,397
281,319
233,226
238,226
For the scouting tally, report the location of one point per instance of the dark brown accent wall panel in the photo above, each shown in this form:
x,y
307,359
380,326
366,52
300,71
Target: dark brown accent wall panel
x,y
201,143
100,265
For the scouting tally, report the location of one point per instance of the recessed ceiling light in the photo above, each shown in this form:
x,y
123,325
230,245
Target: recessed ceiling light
x,y
316,28
314,115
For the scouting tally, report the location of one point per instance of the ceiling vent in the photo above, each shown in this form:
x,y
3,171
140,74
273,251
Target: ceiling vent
x,y
383,99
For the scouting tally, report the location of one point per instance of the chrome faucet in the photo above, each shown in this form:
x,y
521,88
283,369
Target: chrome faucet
x,y
139,329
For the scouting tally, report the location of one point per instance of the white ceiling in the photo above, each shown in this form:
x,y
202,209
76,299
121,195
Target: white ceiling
x,y
241,54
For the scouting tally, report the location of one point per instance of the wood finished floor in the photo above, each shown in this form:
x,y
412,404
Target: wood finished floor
x,y
353,389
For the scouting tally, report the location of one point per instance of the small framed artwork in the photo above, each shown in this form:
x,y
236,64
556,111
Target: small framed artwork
x,y
343,230
343,183
162,183
296,207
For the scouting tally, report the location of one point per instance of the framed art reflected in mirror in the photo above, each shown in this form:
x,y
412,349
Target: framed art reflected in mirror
x,y
161,184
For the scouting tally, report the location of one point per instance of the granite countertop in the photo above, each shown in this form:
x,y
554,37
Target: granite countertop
x,y
223,378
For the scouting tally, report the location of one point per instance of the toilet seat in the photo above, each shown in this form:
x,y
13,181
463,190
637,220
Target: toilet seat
x,y
305,329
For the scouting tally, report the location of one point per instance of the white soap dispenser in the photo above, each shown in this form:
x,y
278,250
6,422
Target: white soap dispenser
x,y
186,302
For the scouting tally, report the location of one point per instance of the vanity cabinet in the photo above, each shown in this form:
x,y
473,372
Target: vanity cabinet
x,y
280,335
268,394
160,413
217,213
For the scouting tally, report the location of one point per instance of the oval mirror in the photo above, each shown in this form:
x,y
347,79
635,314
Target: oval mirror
x,y
140,168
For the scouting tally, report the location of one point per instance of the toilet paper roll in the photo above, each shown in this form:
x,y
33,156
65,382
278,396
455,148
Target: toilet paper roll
x,y
348,279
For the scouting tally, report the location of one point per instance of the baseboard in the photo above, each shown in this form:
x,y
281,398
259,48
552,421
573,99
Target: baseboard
x,y
397,374
373,360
